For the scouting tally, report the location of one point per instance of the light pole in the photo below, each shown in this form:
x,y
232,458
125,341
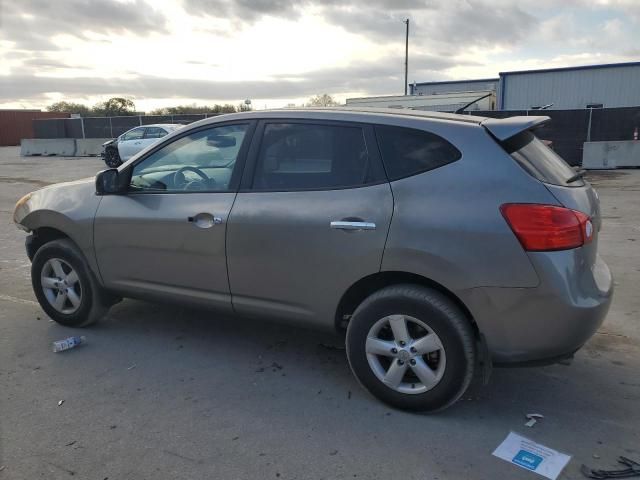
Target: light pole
x,y
406,57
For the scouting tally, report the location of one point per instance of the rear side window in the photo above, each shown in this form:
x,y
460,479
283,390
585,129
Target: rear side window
x,y
297,156
406,151
540,161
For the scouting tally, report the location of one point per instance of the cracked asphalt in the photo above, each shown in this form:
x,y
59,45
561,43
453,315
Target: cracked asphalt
x,y
163,392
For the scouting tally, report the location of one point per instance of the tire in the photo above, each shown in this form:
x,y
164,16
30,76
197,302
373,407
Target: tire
x,y
83,303
376,325
112,157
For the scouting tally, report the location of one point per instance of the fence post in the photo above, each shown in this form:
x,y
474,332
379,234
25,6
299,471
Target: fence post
x,y
589,126
82,125
111,127
140,119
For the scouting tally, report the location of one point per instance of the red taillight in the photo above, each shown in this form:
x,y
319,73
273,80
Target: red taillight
x,y
547,227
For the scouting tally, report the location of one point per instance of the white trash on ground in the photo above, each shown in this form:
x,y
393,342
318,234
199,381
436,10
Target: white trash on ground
x,y
533,418
68,343
532,456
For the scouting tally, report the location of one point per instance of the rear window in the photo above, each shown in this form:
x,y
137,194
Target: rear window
x,y
540,161
406,151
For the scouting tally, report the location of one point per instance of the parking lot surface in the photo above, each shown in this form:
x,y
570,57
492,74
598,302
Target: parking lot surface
x,y
162,392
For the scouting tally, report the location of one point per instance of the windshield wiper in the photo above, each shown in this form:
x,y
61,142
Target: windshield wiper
x,y
578,175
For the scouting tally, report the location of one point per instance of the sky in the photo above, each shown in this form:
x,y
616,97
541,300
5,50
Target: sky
x,y
163,53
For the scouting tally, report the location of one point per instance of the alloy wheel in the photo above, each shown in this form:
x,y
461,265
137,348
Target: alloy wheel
x,y
61,286
405,354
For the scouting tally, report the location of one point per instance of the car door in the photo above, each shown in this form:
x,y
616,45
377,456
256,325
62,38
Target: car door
x,y
130,143
166,237
152,135
310,219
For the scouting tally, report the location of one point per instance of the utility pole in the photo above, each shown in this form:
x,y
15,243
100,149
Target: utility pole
x,y
406,57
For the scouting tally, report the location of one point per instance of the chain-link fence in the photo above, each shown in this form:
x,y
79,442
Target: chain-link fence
x,y
104,127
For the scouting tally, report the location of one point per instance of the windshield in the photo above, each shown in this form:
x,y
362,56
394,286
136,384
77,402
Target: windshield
x,y
541,161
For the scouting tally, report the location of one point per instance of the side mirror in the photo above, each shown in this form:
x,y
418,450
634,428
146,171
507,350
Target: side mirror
x,y
110,182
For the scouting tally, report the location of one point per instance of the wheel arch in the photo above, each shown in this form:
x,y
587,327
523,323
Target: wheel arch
x,y
364,287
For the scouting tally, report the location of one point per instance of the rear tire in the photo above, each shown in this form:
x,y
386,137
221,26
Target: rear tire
x,y
112,157
412,348
65,286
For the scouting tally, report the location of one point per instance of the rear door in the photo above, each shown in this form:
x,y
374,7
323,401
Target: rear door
x,y
310,220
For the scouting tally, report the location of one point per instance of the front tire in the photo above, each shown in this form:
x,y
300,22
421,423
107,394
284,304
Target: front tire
x,y
412,348
65,286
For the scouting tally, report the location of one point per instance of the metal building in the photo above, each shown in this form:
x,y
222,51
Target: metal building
x,y
440,102
607,85
453,86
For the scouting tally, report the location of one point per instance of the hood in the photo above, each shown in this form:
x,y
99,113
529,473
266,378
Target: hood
x,y
110,142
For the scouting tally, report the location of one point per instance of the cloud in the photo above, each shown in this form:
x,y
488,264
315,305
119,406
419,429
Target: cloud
x,y
32,24
382,76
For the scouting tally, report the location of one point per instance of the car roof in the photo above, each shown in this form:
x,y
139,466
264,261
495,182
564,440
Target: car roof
x,y
343,113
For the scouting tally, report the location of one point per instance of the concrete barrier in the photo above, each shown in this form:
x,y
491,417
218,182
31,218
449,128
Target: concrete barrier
x,y
89,147
613,154
65,147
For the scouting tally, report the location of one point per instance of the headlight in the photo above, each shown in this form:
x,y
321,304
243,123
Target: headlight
x,y
19,213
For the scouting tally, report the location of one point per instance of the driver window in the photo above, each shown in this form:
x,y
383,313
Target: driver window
x,y
201,161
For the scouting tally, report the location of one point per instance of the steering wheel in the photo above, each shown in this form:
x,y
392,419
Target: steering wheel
x,y
180,179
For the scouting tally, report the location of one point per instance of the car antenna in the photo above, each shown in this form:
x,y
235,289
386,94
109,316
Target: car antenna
x,y
462,109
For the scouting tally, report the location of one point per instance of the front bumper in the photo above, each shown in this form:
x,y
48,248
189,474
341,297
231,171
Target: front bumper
x,y
548,322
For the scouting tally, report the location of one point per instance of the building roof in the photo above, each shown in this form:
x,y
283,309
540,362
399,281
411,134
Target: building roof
x,y
580,67
448,82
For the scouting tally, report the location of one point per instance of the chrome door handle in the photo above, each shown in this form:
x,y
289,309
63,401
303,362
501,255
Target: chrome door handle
x,y
343,225
204,220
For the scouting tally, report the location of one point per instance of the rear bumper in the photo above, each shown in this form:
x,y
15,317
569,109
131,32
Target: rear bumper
x,y
551,321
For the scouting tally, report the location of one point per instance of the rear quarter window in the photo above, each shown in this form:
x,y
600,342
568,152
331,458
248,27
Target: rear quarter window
x,y
540,161
407,151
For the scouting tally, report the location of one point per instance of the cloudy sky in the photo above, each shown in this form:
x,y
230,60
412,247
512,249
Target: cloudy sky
x,y
163,53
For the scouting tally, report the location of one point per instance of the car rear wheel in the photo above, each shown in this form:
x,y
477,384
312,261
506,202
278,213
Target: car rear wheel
x,y
65,286
412,348
112,157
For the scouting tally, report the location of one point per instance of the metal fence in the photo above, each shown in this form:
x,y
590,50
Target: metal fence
x,y
568,129
104,127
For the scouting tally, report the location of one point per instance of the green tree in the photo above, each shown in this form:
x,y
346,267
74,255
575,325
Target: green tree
x,y
116,106
70,107
323,100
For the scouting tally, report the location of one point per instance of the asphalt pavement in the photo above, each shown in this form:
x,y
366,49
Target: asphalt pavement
x,y
164,392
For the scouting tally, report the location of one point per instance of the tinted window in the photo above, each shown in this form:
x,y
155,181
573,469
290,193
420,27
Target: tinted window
x,y
406,151
540,161
134,134
155,132
201,161
303,156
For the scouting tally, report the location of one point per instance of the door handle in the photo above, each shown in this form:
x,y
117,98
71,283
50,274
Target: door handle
x,y
347,225
204,220
137,143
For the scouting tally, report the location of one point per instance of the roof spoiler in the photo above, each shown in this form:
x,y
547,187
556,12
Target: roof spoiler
x,y
505,128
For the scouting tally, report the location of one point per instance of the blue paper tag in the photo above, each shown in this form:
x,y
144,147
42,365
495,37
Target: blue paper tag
x,y
527,460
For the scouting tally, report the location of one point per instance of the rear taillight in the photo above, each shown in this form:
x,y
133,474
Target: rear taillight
x,y
547,227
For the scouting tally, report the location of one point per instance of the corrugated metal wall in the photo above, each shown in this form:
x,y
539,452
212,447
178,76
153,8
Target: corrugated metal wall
x,y
451,87
612,86
18,124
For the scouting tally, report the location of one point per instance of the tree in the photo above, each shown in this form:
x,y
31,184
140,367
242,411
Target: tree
x,y
116,106
196,109
69,107
323,100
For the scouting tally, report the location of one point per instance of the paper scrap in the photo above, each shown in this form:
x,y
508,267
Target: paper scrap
x,y
532,456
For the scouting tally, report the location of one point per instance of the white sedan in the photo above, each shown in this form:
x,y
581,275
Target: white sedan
x,y
124,147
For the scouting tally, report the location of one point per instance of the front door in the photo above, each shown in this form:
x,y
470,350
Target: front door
x,y
166,236
130,143
312,221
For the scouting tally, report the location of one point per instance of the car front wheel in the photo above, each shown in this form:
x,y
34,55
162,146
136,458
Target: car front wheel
x,y
412,348
65,286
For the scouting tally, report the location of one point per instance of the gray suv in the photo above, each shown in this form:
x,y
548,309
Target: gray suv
x,y
439,243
